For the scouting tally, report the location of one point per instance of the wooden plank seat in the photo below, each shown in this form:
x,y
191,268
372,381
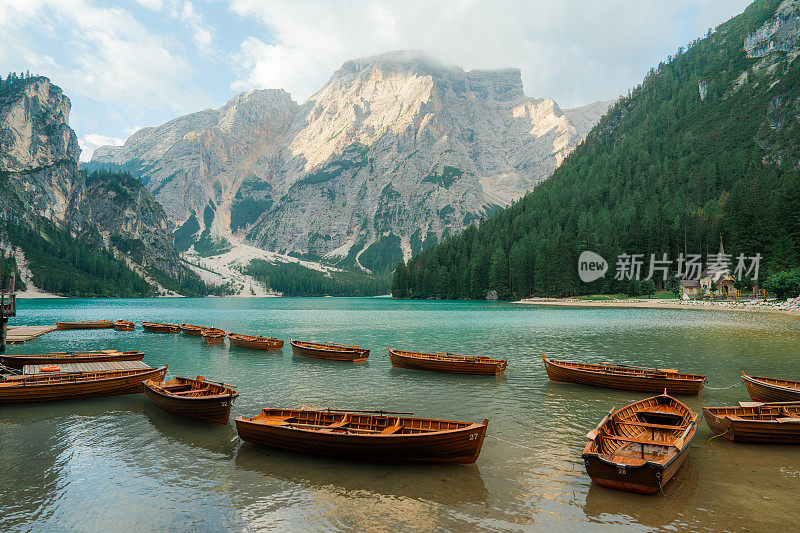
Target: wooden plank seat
x,y
341,423
192,391
648,425
648,442
392,429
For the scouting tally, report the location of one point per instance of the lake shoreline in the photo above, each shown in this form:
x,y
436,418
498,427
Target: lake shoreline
x,y
638,303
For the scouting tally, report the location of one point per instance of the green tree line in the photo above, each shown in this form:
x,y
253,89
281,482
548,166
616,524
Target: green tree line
x,y
664,171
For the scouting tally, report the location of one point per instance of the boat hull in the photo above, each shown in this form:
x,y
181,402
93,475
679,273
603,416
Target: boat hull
x,y
124,325
400,360
457,446
737,429
99,324
256,344
213,409
160,328
564,373
646,479
190,330
131,383
765,392
350,356
19,361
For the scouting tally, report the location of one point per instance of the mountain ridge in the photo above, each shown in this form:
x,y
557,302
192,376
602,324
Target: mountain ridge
x,y
393,153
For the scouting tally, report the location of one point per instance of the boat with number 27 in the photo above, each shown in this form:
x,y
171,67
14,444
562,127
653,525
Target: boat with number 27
x,y
364,436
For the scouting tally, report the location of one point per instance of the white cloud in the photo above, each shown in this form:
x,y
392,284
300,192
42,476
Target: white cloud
x,y
155,5
91,141
113,58
575,51
201,34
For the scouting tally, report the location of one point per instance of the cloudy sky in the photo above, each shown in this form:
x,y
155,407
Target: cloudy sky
x,y
139,63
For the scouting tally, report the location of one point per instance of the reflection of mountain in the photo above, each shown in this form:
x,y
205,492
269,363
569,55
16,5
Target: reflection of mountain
x,y
446,484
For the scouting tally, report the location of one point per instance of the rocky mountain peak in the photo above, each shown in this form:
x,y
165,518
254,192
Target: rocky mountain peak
x,y
394,152
35,126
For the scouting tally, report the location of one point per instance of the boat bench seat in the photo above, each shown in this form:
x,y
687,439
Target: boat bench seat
x,y
339,423
649,425
391,429
185,393
637,441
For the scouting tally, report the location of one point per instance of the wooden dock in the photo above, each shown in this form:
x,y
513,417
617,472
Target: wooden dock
x,y
86,367
20,334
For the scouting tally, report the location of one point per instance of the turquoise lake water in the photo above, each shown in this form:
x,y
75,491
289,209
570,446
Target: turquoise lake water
x,y
121,463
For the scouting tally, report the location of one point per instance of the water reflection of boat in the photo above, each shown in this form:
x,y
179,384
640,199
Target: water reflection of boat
x,y
608,506
441,483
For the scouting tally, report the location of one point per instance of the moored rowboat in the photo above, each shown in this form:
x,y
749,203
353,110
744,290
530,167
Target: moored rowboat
x,y
255,342
192,330
74,385
771,389
124,325
87,324
357,435
158,327
762,422
213,335
324,350
19,361
640,447
447,362
624,377
196,398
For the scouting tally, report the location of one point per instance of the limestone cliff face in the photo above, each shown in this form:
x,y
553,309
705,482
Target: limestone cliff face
x,y
40,180
38,151
396,151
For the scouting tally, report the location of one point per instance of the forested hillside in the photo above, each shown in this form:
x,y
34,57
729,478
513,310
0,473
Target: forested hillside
x,y
706,148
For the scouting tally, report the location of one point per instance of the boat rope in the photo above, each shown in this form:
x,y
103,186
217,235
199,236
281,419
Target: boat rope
x,y
720,434
9,370
512,443
725,388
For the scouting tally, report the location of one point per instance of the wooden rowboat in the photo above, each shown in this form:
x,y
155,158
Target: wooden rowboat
x,y
624,377
255,342
158,327
74,385
640,447
447,362
362,436
756,422
213,335
192,330
124,325
196,398
324,350
88,324
19,361
771,389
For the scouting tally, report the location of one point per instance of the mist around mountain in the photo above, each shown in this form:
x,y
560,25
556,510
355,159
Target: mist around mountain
x,y
705,150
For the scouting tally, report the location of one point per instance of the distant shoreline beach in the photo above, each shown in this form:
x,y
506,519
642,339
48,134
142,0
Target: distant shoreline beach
x,y
790,307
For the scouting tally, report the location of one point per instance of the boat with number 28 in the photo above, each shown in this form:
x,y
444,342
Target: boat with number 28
x,y
640,447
